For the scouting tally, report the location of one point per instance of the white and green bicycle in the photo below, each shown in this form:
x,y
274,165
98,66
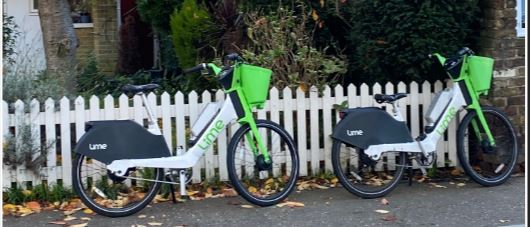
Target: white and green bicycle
x,y
120,165
486,140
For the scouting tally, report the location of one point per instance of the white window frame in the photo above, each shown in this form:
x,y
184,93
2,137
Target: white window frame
x,y
32,9
521,18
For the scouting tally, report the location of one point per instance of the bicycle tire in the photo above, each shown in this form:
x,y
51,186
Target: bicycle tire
x,y
111,212
235,174
358,189
471,161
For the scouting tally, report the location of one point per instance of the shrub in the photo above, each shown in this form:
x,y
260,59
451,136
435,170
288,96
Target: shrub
x,y
391,39
280,41
189,24
23,149
9,35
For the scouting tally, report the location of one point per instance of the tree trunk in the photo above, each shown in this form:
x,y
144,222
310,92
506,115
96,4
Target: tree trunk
x,y
60,41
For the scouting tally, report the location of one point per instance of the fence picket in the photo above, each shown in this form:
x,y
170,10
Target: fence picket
x,y
166,120
6,170
51,159
66,146
301,130
34,124
314,130
288,120
441,144
193,100
208,156
327,104
278,156
21,175
123,107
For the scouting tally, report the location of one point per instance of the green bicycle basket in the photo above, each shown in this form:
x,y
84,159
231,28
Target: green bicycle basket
x,y
254,83
480,73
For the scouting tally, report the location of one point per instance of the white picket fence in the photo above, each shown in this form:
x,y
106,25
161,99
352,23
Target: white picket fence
x,y
61,123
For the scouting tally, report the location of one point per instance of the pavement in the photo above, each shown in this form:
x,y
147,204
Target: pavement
x,y
417,205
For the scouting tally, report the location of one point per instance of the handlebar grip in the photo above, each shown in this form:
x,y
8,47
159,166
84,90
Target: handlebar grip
x,y
197,68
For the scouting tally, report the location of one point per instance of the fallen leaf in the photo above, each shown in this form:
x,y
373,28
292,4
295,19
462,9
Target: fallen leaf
x,y
88,211
384,201
69,218
456,172
57,222
85,218
160,198
252,189
26,192
33,205
24,211
154,223
460,184
421,180
382,211
191,193
504,221
247,206
334,180
142,216
437,185
70,212
209,190
389,217
229,192
315,185
291,204
9,208
79,225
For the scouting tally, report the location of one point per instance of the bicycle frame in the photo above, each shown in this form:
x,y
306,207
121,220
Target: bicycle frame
x,y
464,96
223,118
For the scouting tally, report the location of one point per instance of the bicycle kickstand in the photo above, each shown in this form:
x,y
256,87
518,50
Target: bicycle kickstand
x,y
171,189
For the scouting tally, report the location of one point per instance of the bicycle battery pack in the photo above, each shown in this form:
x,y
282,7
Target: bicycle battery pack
x,y
107,141
363,127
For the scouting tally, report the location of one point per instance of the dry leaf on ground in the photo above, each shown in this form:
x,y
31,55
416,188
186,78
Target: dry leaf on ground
x,y
88,211
142,216
154,223
69,218
382,211
291,204
247,206
437,185
460,184
229,192
57,222
79,225
33,205
85,218
384,201
389,217
504,221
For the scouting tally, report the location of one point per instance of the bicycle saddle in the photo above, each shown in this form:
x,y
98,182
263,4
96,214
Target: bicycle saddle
x,y
145,88
380,98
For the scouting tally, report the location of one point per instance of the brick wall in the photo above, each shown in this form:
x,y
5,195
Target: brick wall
x,y
86,44
105,35
498,39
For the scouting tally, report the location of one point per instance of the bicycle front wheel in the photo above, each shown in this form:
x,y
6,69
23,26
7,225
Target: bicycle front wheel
x,y
487,164
110,195
261,183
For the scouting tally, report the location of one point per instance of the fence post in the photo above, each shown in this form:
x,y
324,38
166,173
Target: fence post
x,y
51,161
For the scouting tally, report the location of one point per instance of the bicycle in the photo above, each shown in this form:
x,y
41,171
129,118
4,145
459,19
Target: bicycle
x,y
120,165
486,140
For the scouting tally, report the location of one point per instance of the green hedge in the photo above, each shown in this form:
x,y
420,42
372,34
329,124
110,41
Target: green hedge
x,y
390,39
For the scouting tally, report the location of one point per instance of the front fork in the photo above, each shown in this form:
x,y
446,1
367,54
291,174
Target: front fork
x,y
475,105
254,137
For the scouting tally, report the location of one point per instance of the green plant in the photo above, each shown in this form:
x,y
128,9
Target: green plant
x,y
280,41
9,34
391,39
25,150
189,24
14,195
58,193
41,193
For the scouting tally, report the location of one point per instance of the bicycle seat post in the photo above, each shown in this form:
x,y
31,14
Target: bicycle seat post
x,y
152,125
396,111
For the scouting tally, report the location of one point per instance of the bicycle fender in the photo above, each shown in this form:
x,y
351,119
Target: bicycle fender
x,y
107,141
363,127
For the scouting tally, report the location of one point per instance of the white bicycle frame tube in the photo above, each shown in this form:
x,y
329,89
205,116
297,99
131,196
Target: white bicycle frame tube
x,y
427,145
224,117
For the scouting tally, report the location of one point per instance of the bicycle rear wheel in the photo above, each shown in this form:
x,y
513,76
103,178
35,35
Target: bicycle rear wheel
x,y
110,195
363,176
487,164
258,182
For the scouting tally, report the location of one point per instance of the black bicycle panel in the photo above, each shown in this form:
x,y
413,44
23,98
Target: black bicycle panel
x,y
362,127
107,141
